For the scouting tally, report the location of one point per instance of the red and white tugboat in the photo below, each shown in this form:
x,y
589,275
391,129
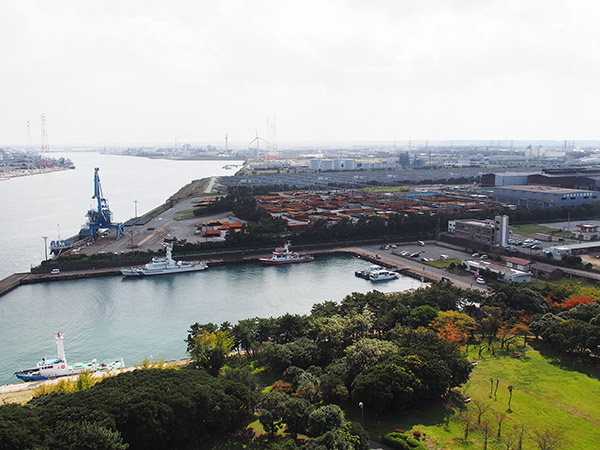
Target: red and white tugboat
x,y
283,255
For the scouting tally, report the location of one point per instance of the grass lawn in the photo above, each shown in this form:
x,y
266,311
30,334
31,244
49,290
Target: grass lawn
x,y
443,263
547,392
530,229
573,281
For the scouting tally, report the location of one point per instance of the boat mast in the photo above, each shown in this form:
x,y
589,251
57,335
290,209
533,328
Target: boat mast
x,y
60,349
169,250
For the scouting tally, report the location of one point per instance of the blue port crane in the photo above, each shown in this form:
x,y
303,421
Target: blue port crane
x,y
101,218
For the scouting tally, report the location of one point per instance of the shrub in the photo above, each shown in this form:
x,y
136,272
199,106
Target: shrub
x,y
402,442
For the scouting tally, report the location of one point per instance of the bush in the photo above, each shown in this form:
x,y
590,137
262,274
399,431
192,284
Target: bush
x,y
402,442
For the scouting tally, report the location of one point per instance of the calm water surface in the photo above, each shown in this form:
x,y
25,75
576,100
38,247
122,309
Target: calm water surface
x,y
138,318
43,205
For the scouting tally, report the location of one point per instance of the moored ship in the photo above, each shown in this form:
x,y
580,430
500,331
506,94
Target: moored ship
x,y
283,255
58,367
365,274
382,275
164,265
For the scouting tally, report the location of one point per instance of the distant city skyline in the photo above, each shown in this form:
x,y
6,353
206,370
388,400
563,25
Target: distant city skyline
x,y
141,71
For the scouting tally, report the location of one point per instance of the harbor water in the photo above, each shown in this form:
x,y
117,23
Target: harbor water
x,y
148,317
56,203
135,319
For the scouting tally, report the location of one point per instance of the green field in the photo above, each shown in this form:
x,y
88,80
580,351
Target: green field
x,y
547,392
443,263
530,229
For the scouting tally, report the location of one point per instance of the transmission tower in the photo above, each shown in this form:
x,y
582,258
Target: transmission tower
x,y
29,145
44,158
272,151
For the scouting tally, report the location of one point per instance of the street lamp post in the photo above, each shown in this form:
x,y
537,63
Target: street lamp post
x,y
45,238
135,203
362,413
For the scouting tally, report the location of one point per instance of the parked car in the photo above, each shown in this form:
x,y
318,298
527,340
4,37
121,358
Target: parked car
x,y
55,271
378,256
444,256
483,256
480,280
421,243
415,255
475,255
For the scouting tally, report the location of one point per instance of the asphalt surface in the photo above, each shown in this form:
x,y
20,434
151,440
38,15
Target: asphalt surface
x,y
430,250
151,235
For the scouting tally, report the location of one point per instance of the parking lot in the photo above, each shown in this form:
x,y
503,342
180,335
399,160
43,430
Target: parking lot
x,y
431,251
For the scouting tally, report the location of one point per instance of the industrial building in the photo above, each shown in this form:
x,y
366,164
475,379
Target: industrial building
x,y
587,232
579,178
560,251
536,196
489,232
505,179
505,274
576,178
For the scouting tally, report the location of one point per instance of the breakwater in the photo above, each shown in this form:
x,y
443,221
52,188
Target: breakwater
x,y
212,259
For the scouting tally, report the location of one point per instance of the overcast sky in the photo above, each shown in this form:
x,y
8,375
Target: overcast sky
x,y
135,72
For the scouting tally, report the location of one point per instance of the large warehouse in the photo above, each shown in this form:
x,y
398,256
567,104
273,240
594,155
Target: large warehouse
x,y
537,196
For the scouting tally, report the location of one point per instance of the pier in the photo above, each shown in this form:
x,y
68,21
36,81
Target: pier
x,y
403,266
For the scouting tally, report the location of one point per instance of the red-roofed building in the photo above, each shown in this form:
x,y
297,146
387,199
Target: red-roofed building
x,y
519,264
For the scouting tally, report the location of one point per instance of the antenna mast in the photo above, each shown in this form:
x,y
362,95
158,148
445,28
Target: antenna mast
x,y
45,148
29,145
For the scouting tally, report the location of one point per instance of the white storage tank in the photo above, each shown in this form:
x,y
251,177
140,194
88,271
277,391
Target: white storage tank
x,y
349,164
337,164
326,164
315,164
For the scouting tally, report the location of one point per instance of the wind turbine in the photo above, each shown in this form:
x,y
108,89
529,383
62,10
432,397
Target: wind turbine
x,y
257,139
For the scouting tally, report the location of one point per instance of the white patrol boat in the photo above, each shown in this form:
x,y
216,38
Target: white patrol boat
x,y
164,265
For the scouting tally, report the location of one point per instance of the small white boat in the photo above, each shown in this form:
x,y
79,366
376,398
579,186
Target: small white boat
x,y
164,265
382,275
367,272
283,255
58,367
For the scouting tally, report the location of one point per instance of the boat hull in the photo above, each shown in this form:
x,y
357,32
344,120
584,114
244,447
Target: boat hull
x,y
274,262
141,272
29,377
93,367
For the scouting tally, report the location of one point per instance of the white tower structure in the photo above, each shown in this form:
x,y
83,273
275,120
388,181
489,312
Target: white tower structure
x,y
501,231
60,348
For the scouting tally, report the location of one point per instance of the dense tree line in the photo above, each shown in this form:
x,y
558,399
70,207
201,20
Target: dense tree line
x,y
366,348
576,330
388,352
144,409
